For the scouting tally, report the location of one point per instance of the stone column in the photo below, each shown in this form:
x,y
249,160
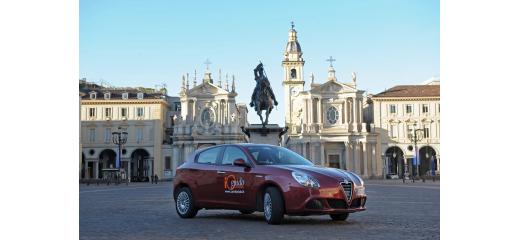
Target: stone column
x,y
365,159
318,105
373,159
322,152
354,111
96,169
345,156
348,156
304,150
175,158
193,110
355,157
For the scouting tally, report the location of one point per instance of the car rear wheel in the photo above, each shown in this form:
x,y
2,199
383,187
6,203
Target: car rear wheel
x,y
184,203
246,211
339,217
273,206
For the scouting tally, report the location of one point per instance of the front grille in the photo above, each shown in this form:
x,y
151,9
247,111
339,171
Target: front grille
x,y
337,203
347,187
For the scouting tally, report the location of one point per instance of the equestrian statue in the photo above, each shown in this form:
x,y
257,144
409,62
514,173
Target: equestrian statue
x,y
263,96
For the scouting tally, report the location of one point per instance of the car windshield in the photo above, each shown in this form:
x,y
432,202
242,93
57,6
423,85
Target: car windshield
x,y
273,155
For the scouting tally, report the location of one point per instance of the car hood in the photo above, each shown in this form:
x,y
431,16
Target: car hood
x,y
321,172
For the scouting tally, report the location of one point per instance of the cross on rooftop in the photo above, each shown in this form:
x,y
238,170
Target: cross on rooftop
x,y
330,60
292,25
207,62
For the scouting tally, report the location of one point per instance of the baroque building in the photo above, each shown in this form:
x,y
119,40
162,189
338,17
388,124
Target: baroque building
x,y
146,115
326,120
401,111
210,116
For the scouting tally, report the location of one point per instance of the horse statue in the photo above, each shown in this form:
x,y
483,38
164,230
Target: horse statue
x,y
263,96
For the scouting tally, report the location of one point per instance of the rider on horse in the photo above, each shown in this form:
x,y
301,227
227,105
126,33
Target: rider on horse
x,y
259,78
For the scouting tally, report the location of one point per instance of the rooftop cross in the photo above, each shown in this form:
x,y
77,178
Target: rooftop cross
x,y
207,62
330,60
292,25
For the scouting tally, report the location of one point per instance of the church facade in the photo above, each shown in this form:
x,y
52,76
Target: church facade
x,y
325,120
209,116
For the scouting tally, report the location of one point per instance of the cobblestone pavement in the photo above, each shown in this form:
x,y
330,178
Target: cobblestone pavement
x,y
145,211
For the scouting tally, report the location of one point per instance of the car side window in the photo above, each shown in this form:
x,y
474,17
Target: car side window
x,y
231,154
209,156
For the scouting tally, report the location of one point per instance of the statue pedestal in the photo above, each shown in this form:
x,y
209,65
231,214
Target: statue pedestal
x,y
270,134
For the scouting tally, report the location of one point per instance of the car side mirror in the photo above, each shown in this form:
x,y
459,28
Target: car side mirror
x,y
241,162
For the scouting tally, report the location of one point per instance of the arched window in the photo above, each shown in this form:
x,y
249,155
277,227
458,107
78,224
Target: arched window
x,y
293,73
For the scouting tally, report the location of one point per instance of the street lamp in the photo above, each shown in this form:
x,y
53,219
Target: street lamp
x,y
119,138
415,138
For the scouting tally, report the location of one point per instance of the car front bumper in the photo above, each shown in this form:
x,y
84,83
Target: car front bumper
x,y
332,200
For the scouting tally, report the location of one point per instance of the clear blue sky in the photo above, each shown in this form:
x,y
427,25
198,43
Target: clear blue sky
x,y
146,43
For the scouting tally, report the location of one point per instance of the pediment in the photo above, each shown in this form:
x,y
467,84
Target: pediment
x,y
333,87
206,89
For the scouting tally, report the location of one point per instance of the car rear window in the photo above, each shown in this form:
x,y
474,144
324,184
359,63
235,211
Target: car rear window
x,y
209,156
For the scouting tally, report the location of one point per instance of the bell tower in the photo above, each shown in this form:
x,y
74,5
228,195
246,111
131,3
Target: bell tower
x,y
292,64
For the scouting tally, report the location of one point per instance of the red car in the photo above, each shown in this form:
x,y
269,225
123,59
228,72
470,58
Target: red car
x,y
264,178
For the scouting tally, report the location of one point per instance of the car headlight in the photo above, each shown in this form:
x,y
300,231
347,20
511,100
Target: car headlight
x,y
305,180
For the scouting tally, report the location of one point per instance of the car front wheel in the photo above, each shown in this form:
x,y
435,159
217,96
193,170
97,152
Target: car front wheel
x,y
339,217
273,206
184,203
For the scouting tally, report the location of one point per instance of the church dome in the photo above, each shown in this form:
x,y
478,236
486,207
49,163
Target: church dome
x,y
293,46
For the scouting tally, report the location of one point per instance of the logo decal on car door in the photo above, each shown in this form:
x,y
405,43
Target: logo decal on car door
x,y
233,185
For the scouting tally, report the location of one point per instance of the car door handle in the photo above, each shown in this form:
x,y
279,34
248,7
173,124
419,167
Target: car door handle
x,y
221,172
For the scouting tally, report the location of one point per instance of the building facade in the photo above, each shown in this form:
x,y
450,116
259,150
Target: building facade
x,y
326,120
403,114
147,115
210,116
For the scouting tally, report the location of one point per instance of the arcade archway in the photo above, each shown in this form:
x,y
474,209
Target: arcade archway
x,y
427,156
395,161
140,165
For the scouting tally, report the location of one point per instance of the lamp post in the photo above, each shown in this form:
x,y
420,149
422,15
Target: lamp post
x,y
119,138
415,138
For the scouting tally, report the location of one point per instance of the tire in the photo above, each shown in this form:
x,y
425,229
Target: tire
x,y
246,211
273,206
339,217
184,203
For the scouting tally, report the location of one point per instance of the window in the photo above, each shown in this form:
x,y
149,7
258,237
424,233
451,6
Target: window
x,y
409,131
93,95
177,107
92,135
439,107
334,161
425,108
409,108
273,155
107,96
92,112
167,163
231,154
209,156
392,109
139,135
124,112
140,95
393,131
107,135
293,73
426,132
140,112
124,95
108,112
332,115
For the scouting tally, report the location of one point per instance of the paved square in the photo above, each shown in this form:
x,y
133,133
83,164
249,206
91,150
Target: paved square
x,y
145,211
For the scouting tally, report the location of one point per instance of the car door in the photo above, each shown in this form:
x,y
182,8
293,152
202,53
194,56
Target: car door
x,y
235,182
206,175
